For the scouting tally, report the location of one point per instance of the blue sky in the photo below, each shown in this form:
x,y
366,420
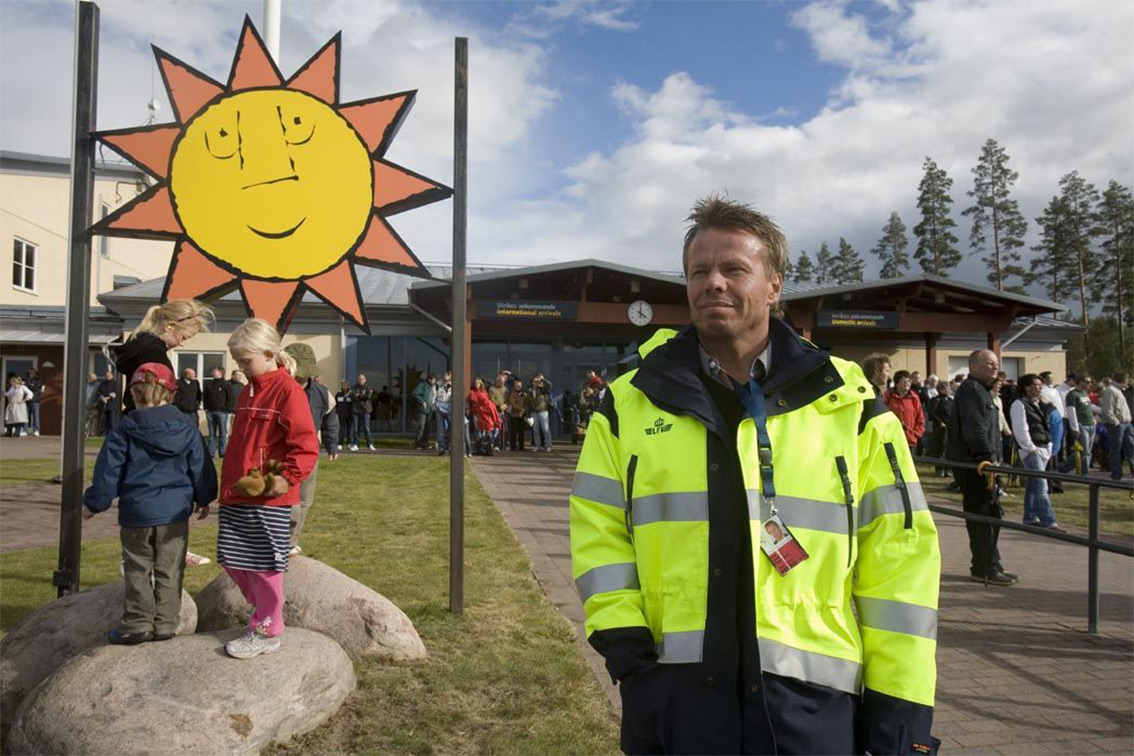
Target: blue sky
x,y
595,125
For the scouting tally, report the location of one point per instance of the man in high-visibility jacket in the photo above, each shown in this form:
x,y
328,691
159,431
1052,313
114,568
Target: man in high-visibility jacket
x,y
752,547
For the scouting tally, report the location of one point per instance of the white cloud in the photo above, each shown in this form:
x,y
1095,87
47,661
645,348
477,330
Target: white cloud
x,y
1053,82
541,20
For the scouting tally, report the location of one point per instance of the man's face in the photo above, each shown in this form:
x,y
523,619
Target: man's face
x,y
217,373
729,290
361,379
915,378
108,375
92,378
189,374
985,367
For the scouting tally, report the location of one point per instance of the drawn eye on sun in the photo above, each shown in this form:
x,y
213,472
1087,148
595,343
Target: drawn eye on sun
x,y
271,186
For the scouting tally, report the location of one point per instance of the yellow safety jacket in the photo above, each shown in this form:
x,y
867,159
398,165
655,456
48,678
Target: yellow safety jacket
x,y
859,614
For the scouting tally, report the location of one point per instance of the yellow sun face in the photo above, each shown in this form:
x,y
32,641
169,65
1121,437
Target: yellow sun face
x,y
273,182
271,185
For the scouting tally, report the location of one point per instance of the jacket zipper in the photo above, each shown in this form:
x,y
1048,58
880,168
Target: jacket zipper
x,y
900,482
848,498
630,470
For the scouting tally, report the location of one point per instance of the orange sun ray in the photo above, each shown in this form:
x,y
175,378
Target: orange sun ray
x,y
319,76
194,276
147,216
339,288
253,65
150,147
273,301
378,120
382,247
398,189
189,90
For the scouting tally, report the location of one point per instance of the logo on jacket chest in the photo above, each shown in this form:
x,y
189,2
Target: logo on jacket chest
x,y
659,426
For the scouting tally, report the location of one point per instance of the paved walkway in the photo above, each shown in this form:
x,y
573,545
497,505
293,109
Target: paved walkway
x,y
1017,672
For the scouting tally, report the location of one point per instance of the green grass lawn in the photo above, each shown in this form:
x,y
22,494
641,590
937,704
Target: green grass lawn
x,y
1116,509
504,678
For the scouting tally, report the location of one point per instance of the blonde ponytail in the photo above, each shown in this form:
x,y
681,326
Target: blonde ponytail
x,y
181,314
286,361
256,335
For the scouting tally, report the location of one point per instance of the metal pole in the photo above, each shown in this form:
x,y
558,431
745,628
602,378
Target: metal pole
x,y
1093,565
66,578
272,28
460,380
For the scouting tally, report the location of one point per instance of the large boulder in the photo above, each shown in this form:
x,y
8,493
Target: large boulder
x,y
319,597
184,695
52,634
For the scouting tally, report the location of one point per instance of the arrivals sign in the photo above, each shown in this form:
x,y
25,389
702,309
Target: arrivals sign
x,y
519,310
859,319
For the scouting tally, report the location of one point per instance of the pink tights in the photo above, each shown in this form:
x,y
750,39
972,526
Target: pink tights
x,y
264,590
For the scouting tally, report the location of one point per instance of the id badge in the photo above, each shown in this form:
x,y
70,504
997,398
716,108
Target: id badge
x,y
780,546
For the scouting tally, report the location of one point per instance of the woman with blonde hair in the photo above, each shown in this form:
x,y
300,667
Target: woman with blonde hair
x,y
16,413
166,326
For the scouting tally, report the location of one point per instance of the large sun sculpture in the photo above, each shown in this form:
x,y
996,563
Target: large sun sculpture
x,y
271,186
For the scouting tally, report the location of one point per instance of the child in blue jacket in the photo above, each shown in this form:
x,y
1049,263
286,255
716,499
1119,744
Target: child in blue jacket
x,y
156,465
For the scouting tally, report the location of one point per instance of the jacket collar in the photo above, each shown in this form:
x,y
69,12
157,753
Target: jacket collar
x,y
670,375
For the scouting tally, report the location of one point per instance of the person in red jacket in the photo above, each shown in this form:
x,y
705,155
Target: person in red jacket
x,y
904,403
484,414
272,449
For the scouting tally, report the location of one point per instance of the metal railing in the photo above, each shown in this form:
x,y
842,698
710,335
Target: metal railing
x,y
1092,541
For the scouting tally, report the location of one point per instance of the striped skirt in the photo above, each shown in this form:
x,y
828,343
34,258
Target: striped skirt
x,y
254,538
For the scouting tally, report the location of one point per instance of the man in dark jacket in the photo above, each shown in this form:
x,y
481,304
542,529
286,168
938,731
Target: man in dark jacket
x,y
974,436
108,401
188,396
940,410
34,384
218,398
236,383
362,404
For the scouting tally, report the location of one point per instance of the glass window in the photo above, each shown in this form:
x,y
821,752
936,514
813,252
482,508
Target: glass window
x,y
200,362
23,265
104,241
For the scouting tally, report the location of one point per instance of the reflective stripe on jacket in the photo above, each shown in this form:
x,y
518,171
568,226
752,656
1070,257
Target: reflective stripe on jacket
x,y
640,533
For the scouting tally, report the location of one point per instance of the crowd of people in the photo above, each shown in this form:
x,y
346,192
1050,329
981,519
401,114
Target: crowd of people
x,y
1030,422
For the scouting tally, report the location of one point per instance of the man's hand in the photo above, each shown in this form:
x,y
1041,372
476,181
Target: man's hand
x,y
88,514
279,487
202,512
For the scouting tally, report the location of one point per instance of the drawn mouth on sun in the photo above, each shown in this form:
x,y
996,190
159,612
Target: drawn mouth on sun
x,y
279,234
244,159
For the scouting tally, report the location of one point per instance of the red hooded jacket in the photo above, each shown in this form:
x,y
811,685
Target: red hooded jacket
x,y
273,421
908,410
483,411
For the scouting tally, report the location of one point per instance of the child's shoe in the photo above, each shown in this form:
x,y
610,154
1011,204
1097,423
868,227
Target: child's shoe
x,y
252,644
195,560
116,638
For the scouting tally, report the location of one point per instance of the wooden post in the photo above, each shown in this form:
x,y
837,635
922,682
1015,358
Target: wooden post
x,y
931,340
460,330
994,343
66,577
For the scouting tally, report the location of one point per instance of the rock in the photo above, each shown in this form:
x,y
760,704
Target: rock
x,y
52,634
319,597
184,695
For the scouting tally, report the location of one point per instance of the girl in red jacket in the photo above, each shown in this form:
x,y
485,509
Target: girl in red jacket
x,y
272,448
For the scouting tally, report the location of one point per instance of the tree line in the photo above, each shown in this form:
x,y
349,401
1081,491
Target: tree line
x,y
1085,250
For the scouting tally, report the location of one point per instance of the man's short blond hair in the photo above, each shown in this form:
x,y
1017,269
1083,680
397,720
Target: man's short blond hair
x,y
722,213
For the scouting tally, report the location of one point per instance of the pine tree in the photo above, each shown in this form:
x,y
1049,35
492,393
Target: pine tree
x,y
995,212
1079,201
891,248
848,264
1052,268
1113,284
824,265
936,250
804,271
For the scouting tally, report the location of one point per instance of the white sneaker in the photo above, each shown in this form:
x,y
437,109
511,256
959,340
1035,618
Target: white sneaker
x,y
295,550
35,433
252,644
353,447
371,447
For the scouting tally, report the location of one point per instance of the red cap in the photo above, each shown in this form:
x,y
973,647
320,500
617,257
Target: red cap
x,y
162,372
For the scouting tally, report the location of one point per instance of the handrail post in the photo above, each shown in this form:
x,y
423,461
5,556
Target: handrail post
x,y
1093,564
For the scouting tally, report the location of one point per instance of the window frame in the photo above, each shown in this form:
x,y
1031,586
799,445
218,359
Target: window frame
x,y
34,267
